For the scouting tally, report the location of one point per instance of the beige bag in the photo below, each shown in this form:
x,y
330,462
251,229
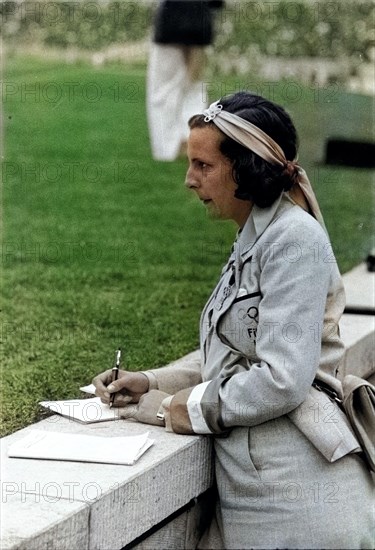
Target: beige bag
x,y
359,405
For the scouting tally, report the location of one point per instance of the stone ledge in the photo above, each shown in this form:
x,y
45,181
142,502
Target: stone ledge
x,y
31,522
360,288
357,331
183,530
77,506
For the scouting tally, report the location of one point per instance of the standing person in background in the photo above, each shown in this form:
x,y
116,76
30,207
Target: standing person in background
x,y
182,29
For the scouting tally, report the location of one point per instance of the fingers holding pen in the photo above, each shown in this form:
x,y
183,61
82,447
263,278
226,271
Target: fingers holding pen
x,y
101,382
105,388
118,394
128,387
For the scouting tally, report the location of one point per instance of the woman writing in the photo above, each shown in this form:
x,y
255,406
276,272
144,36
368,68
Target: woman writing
x,y
289,471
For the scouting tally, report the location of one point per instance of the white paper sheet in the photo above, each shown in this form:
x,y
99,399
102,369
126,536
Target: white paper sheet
x,y
47,445
88,389
83,410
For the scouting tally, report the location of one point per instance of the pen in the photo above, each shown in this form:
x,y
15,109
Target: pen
x,y
115,369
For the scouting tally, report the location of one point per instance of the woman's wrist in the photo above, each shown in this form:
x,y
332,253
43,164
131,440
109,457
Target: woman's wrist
x,y
151,379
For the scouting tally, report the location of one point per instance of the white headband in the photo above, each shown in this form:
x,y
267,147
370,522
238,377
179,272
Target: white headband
x,y
253,138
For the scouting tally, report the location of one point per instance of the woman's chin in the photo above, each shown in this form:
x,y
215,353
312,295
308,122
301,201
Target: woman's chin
x,y
212,211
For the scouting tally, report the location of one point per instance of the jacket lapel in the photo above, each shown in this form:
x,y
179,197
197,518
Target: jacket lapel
x,y
257,222
244,247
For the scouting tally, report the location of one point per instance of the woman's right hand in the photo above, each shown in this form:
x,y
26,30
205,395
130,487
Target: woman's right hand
x,y
129,387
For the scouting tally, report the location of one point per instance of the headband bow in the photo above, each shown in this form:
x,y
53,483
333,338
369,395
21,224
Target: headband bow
x,y
253,138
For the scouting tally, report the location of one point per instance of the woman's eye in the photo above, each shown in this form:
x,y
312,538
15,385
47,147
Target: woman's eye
x,y
200,165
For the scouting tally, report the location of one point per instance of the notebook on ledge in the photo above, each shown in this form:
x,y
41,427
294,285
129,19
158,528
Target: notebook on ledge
x,y
83,410
45,445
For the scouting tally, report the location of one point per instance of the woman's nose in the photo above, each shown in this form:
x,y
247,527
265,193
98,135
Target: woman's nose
x,y
191,181
190,184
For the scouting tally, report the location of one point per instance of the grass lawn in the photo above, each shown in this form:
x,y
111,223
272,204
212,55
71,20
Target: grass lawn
x,y
104,247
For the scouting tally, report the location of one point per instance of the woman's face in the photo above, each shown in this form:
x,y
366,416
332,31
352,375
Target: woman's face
x,y
210,176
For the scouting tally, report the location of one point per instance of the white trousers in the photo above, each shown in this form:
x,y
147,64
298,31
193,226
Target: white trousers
x,y
174,94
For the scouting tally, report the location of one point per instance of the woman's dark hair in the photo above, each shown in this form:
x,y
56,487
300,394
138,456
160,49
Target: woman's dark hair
x,y
257,179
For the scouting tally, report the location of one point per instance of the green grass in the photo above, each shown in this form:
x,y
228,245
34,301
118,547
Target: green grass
x,y
102,246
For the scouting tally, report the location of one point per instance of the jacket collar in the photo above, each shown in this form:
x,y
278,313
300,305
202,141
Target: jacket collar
x,y
258,221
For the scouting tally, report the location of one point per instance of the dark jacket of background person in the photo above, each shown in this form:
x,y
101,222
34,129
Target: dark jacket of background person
x,y
187,22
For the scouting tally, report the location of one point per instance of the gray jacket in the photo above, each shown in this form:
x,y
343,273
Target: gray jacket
x,y
268,330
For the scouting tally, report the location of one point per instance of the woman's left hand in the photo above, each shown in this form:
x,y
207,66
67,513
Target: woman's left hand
x,y
147,408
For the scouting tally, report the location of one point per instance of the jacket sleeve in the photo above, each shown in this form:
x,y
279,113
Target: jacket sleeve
x,y
176,376
294,282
